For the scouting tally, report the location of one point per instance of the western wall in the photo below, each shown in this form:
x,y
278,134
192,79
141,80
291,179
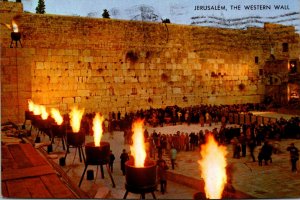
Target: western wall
x,y
116,65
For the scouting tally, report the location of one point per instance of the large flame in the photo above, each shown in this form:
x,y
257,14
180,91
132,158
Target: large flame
x,y
213,168
30,105
97,128
138,149
34,107
75,119
55,114
44,113
37,109
14,26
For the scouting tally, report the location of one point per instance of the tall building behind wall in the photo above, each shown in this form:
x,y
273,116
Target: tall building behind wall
x,y
108,65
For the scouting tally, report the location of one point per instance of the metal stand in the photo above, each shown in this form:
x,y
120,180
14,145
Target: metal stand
x,y
102,173
11,43
141,191
80,150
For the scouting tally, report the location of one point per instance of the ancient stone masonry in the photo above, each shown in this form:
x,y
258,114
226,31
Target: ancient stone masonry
x,y
109,65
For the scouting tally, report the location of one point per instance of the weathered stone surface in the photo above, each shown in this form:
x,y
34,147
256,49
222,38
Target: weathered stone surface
x,y
111,65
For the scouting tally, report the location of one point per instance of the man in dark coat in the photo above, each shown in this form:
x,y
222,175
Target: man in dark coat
x,y
294,154
124,157
111,161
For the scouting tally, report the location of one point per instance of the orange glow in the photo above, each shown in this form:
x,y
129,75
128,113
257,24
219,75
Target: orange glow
x,y
14,27
7,26
30,105
75,119
37,109
55,114
97,128
213,168
138,149
44,113
34,108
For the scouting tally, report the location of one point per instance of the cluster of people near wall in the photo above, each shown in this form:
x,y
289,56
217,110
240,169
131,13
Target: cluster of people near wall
x,y
241,136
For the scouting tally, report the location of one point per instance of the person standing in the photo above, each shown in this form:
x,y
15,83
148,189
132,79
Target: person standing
x,y
294,155
252,146
242,140
162,174
124,157
266,151
111,161
173,156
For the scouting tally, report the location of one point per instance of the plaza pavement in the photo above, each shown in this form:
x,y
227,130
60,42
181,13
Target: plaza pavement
x,y
268,181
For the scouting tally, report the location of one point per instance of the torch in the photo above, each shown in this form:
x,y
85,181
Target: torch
x,y
140,173
97,152
39,118
58,129
75,136
15,35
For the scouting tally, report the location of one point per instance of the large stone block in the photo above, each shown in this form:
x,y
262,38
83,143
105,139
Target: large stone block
x,y
68,100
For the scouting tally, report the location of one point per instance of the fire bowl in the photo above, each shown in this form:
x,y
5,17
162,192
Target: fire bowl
x,y
228,193
15,36
199,196
75,139
97,155
140,179
29,115
58,130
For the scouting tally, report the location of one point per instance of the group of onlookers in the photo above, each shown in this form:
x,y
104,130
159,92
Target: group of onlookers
x,y
241,136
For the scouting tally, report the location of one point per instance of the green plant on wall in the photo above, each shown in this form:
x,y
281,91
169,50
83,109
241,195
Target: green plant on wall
x,y
40,9
105,14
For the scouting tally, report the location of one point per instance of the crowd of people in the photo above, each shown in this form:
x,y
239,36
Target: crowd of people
x,y
241,136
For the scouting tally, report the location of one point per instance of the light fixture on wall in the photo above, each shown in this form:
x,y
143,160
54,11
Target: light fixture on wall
x,y
15,35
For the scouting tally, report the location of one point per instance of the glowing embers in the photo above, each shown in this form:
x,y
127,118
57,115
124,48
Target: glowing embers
x,y
213,168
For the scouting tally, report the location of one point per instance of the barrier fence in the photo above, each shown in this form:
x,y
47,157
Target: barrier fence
x,y
235,118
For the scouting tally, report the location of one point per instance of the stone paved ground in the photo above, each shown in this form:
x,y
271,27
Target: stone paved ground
x,y
268,181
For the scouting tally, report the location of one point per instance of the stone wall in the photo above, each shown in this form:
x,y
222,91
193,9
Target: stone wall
x,y
110,65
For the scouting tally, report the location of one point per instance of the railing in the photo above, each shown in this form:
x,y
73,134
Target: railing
x,y
235,118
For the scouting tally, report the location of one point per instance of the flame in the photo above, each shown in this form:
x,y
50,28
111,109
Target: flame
x,y
7,26
14,26
30,105
44,113
75,119
97,128
34,107
138,149
37,109
55,114
213,168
